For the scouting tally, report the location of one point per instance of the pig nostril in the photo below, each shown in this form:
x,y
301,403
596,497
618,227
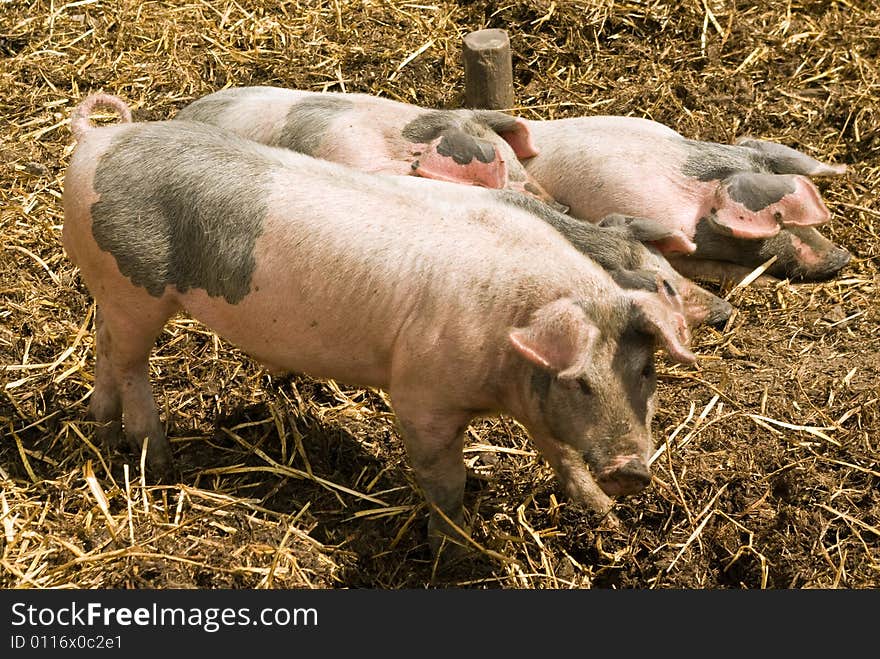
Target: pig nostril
x,y
632,477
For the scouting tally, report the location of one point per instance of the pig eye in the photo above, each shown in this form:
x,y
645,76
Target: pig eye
x,y
648,371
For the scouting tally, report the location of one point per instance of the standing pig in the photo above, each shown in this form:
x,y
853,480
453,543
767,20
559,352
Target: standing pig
x,y
379,135
740,204
472,309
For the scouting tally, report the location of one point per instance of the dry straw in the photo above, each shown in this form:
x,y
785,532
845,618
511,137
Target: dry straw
x,y
766,472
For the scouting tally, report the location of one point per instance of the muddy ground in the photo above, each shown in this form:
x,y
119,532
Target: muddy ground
x,y
770,464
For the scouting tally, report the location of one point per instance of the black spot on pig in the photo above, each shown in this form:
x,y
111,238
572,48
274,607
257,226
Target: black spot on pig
x,y
208,108
463,148
635,279
462,138
173,210
634,360
788,265
611,247
431,124
540,384
781,159
307,122
757,191
708,161
427,126
497,121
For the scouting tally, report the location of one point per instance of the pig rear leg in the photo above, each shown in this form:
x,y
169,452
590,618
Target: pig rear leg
x,y
105,404
128,342
434,443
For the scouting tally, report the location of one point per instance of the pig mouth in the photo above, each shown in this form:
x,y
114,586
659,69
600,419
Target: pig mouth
x,y
824,270
626,475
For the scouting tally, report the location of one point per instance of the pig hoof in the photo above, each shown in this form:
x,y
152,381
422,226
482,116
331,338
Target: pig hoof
x,y
447,551
109,434
159,463
444,537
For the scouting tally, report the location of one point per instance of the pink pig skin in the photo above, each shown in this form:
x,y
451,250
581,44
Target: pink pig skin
x,y
741,204
379,135
474,308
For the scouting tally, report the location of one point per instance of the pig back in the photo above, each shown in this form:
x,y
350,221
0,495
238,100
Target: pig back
x,y
607,164
311,266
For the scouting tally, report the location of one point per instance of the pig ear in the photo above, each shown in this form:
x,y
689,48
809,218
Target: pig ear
x,y
784,160
754,205
662,315
667,239
558,338
458,157
513,130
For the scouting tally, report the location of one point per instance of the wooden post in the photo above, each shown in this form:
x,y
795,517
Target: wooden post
x,y
488,70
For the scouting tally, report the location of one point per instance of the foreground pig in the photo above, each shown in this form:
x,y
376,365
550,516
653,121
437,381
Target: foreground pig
x,y
740,204
473,308
375,134
379,135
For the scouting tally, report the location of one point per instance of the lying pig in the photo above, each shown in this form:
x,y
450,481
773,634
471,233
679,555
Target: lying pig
x,y
740,204
629,249
474,308
379,135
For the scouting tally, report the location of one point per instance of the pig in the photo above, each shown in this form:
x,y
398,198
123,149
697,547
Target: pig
x,y
376,135
472,309
741,204
629,249
379,135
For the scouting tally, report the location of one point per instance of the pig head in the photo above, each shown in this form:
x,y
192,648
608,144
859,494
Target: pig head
x,y
379,135
739,204
586,371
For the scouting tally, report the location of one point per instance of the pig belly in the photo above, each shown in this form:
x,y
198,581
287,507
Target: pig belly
x,y
674,201
286,328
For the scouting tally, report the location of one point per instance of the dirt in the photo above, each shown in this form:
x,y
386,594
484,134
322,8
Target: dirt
x,y
770,463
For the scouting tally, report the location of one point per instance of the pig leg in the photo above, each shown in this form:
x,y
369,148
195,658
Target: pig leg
x,y
105,404
434,442
575,477
128,342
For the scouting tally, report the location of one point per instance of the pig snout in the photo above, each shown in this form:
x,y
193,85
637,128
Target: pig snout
x,y
838,258
832,262
707,309
719,314
808,256
627,474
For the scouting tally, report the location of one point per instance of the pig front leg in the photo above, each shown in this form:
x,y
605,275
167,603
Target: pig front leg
x,y
575,477
434,442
